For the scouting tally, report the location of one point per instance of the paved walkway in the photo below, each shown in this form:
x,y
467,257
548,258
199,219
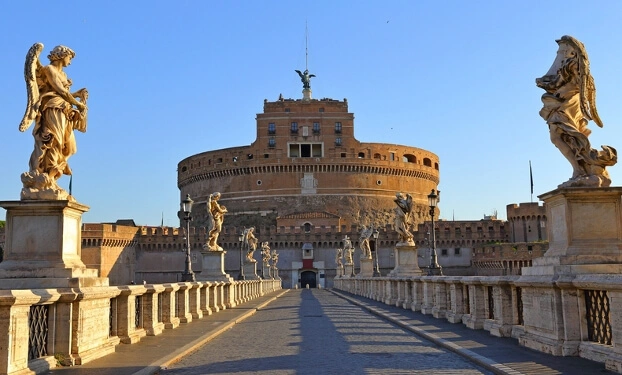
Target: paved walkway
x,y
318,332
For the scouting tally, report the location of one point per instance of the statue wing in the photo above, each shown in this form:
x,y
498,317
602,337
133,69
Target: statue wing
x,y
31,69
311,75
409,203
587,88
299,73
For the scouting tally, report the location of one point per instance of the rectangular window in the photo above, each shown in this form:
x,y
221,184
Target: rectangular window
x,y
338,127
271,142
271,128
444,252
305,150
316,128
338,141
294,127
457,251
392,156
294,151
316,150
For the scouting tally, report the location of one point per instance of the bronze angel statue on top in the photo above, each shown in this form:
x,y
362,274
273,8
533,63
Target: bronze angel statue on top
x,y
305,78
569,104
56,112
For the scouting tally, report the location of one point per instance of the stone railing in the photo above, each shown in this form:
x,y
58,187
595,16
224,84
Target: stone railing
x,y
71,326
561,316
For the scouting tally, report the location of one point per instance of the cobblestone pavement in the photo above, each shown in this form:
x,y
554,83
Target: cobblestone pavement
x,y
312,331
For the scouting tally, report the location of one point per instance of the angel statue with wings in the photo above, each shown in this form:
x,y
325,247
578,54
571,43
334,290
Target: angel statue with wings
x,y
56,112
305,78
403,217
569,104
215,218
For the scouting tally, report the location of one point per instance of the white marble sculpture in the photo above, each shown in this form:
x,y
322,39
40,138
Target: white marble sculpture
x,y
403,217
265,253
57,112
338,258
569,104
216,215
251,244
348,250
364,242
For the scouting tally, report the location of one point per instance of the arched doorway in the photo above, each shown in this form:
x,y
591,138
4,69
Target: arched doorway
x,y
308,277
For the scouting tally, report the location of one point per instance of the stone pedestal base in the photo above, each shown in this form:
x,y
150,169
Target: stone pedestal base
x,y
349,270
367,268
250,271
584,231
584,227
214,266
406,264
44,246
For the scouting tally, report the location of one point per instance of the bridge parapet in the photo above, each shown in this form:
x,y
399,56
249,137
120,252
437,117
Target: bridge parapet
x,y
578,311
109,315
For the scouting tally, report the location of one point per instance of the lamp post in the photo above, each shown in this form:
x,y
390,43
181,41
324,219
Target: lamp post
x,y
241,239
186,208
434,269
375,234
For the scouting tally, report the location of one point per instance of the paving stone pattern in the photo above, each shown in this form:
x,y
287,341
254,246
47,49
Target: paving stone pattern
x,y
313,331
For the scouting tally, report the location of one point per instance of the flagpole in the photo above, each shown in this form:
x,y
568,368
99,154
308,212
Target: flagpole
x,y
531,180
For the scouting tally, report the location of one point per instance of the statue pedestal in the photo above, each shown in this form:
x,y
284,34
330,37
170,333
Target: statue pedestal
x,y
349,270
406,263
214,266
44,246
250,271
584,227
367,268
339,271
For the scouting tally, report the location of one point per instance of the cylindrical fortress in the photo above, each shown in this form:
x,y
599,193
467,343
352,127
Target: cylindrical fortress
x,y
305,159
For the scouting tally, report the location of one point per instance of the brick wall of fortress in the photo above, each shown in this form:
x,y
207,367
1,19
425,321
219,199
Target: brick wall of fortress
x,y
527,222
354,180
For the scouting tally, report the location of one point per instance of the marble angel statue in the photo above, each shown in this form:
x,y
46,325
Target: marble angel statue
x,y
56,112
338,258
251,244
348,250
403,217
265,253
569,105
364,242
216,215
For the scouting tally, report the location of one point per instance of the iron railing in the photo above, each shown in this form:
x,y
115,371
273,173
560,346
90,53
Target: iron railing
x,y
38,331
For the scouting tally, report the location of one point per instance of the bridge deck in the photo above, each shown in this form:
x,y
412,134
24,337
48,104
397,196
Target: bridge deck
x,y
321,332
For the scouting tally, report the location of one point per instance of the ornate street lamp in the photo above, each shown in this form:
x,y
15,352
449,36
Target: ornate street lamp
x,y
434,269
186,208
241,274
375,235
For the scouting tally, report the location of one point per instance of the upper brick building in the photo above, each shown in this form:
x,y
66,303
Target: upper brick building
x,y
306,160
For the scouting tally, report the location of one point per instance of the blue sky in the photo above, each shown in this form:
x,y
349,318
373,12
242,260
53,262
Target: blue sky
x,y
171,79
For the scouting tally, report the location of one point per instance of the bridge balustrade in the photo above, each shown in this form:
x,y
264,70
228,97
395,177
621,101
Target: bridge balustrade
x,y
508,306
74,326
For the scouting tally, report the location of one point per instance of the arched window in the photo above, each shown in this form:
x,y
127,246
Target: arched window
x,y
427,162
408,158
307,227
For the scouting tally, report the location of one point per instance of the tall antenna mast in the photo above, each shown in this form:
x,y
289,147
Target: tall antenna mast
x,y
306,46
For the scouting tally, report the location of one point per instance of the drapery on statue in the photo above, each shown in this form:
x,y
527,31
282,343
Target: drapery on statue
x,y
57,112
305,78
348,249
403,217
275,258
265,253
216,215
251,244
338,257
569,104
364,242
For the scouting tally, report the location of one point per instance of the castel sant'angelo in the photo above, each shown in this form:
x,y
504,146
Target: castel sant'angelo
x,y
307,164
305,183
